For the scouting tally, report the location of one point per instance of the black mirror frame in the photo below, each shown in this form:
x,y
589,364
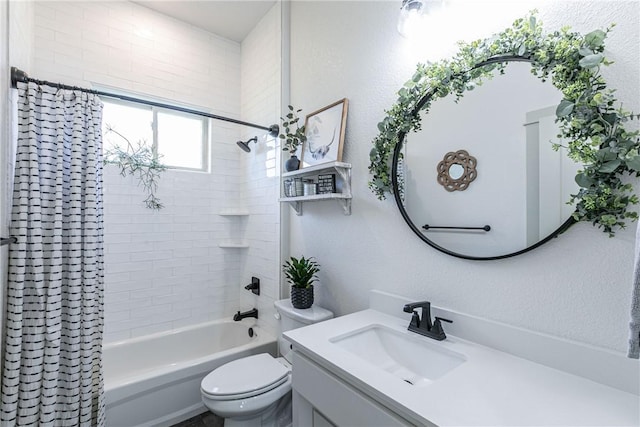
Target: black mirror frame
x,y
397,193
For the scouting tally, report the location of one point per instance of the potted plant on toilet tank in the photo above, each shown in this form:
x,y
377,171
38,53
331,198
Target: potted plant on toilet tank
x,y
301,273
293,136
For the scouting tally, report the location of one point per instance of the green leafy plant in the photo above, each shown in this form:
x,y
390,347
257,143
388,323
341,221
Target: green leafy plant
x,y
588,116
301,273
140,162
293,134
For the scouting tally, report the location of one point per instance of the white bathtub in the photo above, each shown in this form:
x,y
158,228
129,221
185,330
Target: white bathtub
x,y
155,380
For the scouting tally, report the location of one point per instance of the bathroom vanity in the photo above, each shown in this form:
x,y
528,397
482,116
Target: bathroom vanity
x,y
321,396
366,369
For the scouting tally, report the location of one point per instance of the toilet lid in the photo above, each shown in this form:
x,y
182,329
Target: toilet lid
x,y
245,377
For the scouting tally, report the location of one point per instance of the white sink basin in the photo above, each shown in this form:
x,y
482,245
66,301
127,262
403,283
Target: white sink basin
x,y
456,381
414,359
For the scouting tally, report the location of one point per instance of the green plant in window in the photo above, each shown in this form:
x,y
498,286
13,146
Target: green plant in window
x,y
589,118
140,162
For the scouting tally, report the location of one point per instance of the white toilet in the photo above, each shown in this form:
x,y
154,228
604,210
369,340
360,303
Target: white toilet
x,y
256,390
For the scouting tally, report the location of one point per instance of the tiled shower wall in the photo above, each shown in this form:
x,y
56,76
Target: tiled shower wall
x,y
260,103
163,269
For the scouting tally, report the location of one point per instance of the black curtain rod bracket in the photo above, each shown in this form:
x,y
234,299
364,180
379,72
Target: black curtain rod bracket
x,y
19,76
8,240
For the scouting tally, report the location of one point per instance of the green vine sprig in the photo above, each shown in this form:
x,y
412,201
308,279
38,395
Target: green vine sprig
x,y
589,118
140,162
293,137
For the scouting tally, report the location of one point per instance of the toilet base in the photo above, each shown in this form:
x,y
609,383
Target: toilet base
x,y
277,415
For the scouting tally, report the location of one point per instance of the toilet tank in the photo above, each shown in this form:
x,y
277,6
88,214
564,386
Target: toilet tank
x,y
293,318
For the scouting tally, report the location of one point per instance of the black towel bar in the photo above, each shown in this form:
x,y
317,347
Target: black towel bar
x,y
433,227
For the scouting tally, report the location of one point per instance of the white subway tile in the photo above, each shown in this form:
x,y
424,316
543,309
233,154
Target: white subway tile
x,y
115,258
129,304
117,316
151,292
122,327
140,279
150,256
130,267
164,269
114,278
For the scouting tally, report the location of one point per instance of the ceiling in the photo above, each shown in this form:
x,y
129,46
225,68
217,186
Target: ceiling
x,y
231,19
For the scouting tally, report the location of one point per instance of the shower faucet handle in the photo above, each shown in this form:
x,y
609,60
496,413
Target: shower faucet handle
x,y
254,286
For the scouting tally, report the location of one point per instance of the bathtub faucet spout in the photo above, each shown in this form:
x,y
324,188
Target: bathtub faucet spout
x,y
251,313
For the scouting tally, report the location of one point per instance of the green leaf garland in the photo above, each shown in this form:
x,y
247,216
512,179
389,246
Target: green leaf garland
x,y
588,116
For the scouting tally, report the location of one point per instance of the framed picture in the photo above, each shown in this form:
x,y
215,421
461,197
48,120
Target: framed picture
x,y
324,130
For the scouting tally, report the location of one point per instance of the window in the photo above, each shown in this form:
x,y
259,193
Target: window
x,y
179,139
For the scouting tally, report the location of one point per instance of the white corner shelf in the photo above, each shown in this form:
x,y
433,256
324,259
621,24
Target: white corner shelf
x,y
344,198
232,244
234,212
236,219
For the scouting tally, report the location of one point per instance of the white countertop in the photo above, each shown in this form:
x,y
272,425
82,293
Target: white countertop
x,y
491,388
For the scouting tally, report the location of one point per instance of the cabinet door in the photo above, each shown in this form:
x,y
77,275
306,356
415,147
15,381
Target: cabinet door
x,y
334,400
320,421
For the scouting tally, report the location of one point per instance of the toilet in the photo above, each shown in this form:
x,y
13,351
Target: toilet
x,y
255,391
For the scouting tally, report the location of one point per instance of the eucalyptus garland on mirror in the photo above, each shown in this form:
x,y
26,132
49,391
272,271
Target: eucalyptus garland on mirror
x,y
140,162
589,117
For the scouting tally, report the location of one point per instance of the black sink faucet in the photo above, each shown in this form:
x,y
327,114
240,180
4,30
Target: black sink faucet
x,y
251,313
422,324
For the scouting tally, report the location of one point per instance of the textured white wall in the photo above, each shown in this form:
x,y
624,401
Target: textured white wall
x,y
20,34
260,103
163,269
577,286
16,30
4,143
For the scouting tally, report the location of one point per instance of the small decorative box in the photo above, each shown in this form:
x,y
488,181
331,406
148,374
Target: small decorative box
x,y
326,183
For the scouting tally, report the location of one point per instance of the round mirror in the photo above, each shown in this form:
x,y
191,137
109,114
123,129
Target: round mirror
x,y
456,171
521,183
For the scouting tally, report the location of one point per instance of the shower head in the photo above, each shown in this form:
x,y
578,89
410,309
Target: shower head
x,y
244,145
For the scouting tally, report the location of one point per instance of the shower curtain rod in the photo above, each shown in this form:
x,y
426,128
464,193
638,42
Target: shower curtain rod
x,y
22,77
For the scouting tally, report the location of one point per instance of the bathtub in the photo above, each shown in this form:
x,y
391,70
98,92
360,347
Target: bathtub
x,y
155,380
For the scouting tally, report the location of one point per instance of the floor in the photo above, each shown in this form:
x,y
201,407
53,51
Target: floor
x,y
206,419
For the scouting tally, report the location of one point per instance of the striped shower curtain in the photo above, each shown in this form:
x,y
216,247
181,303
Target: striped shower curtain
x,y
52,373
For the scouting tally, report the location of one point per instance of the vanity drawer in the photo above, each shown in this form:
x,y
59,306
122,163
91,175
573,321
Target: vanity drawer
x,y
339,402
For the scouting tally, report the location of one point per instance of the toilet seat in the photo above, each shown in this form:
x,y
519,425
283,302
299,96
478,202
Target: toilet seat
x,y
244,378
